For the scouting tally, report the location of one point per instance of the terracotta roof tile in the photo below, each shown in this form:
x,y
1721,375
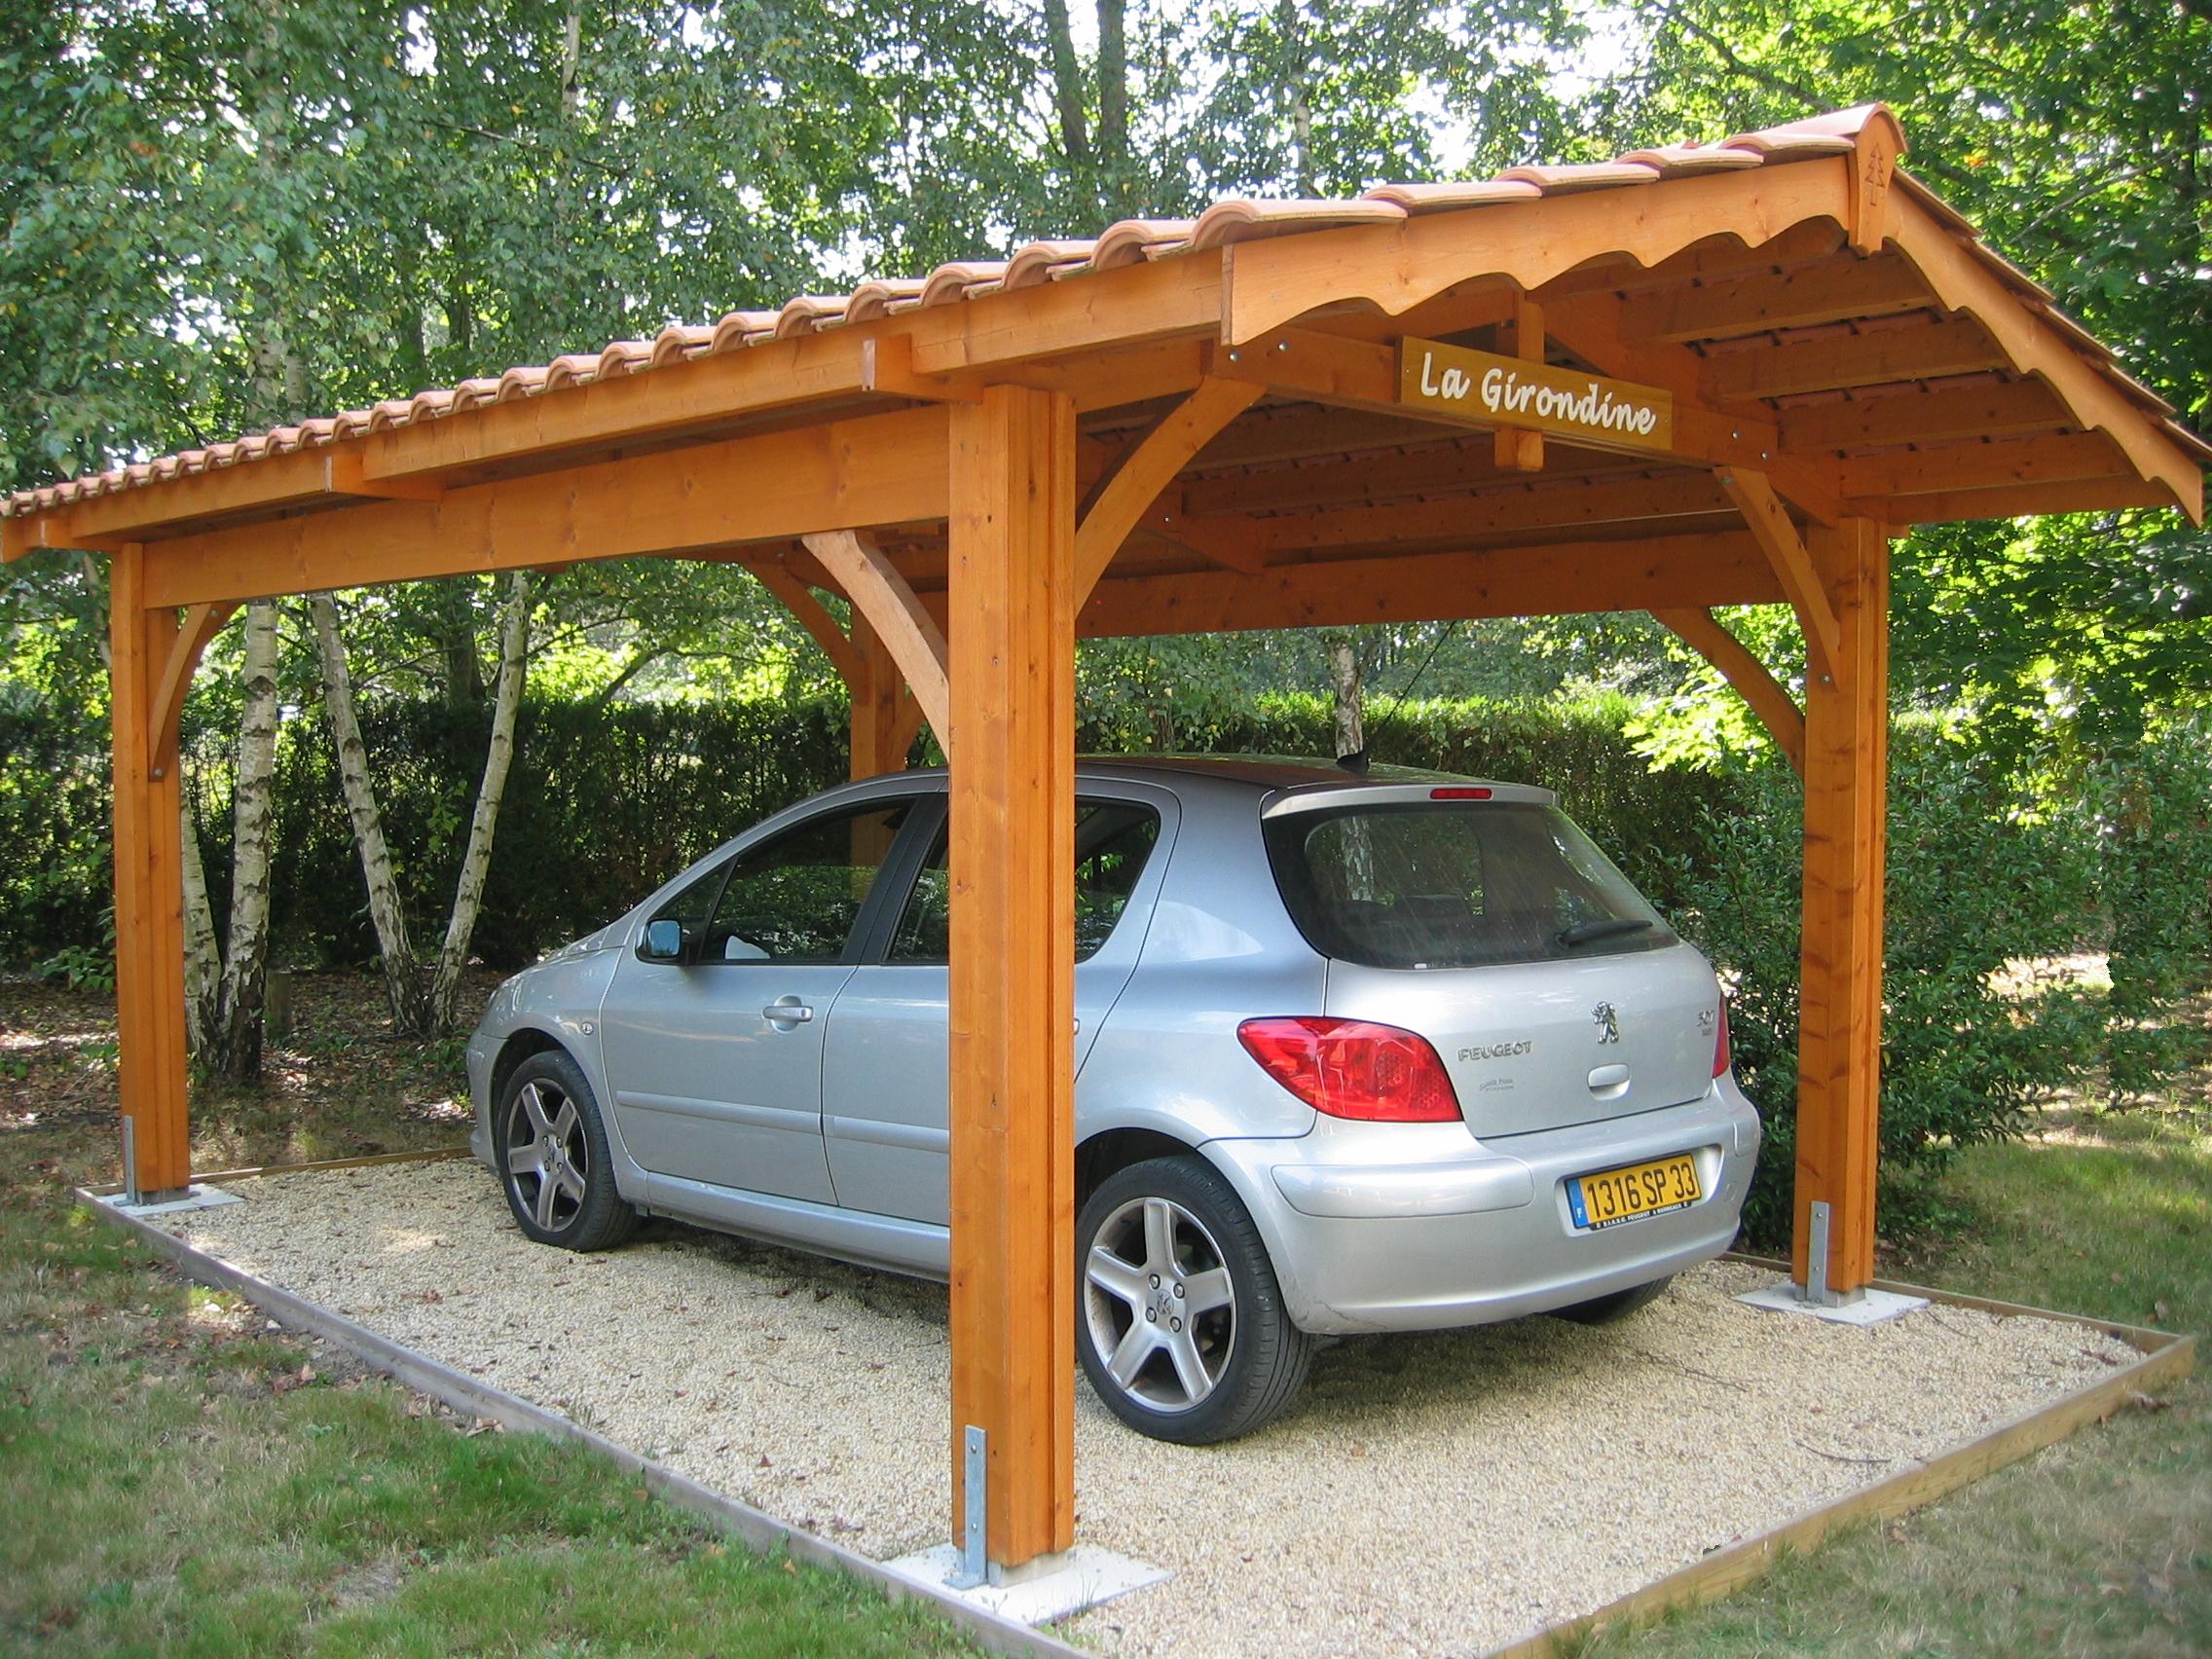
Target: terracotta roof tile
x,y
1130,241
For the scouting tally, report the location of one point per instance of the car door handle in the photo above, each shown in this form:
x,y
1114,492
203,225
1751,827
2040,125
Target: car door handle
x,y
787,1011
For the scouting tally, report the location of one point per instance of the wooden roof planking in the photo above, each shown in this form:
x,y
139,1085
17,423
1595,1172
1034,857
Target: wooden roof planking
x,y
1819,318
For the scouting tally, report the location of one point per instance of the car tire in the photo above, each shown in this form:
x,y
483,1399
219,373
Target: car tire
x,y
1154,1241
1605,1310
551,1153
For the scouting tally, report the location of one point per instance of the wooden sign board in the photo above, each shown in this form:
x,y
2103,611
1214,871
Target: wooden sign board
x,y
1491,391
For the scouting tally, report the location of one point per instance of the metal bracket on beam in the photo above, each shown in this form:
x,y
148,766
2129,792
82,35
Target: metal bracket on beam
x,y
974,1565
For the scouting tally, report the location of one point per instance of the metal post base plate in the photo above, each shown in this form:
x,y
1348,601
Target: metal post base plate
x,y
1038,1592
173,1202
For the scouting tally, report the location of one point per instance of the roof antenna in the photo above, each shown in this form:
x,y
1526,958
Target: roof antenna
x,y
1355,762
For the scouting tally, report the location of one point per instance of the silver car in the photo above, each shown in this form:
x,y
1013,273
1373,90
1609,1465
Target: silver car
x,y
1353,1054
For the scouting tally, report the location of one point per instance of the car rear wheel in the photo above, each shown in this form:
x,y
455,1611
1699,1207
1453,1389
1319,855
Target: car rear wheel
x,y
553,1158
1180,1321
1605,1310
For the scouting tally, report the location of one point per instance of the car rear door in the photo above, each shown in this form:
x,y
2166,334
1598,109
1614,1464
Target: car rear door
x,y
714,1057
885,1072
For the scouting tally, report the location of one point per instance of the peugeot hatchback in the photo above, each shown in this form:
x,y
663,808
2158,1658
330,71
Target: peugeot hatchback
x,y
1353,1053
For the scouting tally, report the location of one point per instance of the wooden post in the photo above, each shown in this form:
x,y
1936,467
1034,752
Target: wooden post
x,y
149,886
1840,1041
1013,1014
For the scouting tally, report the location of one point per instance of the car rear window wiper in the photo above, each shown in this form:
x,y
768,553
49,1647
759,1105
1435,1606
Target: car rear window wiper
x,y
1601,927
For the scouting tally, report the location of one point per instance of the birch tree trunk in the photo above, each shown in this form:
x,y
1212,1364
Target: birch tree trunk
x,y
468,892
402,975
1345,672
233,1042
203,963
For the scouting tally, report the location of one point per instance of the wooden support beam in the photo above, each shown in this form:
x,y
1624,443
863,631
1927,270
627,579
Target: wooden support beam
x,y
1144,470
1777,711
2063,458
1876,357
1761,302
872,470
2019,501
1521,335
1917,414
1012,1012
149,887
1553,501
1770,525
200,624
1539,579
1839,1042
799,599
904,626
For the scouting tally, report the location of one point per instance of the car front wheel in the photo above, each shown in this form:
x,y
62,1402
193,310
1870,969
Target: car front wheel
x,y
1180,1321
553,1158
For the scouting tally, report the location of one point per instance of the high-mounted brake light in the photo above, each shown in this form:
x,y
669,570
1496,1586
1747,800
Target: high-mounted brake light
x,y
1353,1068
1458,792
1721,1058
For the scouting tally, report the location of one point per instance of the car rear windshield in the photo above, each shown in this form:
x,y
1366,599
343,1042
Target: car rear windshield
x,y
1453,885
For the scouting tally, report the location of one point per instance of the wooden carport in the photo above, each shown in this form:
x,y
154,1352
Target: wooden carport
x,y
1192,426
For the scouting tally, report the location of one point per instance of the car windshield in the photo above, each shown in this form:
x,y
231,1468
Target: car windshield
x,y
1453,885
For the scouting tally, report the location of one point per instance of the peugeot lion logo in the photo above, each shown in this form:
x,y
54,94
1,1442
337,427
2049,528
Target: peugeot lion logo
x,y
1608,1022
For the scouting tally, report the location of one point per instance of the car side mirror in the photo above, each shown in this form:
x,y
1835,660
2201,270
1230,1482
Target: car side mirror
x,y
664,940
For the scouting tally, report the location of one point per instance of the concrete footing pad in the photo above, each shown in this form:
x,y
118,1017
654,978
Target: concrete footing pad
x,y
1082,1578
1870,1307
195,1198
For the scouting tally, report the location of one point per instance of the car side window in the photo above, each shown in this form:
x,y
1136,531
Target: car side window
x,y
1113,841
793,899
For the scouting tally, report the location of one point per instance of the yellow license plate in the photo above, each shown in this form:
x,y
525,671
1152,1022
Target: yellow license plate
x,y
1614,1195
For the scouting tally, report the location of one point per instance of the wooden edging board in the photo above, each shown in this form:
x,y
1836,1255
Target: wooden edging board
x,y
2166,1358
755,1528
367,1160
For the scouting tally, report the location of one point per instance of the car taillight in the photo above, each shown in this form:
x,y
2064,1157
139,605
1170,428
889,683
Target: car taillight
x,y
1353,1068
1720,1055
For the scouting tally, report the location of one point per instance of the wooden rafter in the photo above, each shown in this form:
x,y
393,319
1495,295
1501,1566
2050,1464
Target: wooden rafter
x,y
1668,571
914,637
1876,357
1914,415
1758,302
1147,468
1785,721
2058,459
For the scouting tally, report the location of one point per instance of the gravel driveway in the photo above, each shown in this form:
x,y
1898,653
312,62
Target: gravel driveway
x,y
1435,1494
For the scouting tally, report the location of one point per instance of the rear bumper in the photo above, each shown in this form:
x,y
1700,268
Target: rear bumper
x,y
1415,1227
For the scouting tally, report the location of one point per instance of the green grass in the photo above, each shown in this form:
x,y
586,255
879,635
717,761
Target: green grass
x,y
177,1478
2101,1544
